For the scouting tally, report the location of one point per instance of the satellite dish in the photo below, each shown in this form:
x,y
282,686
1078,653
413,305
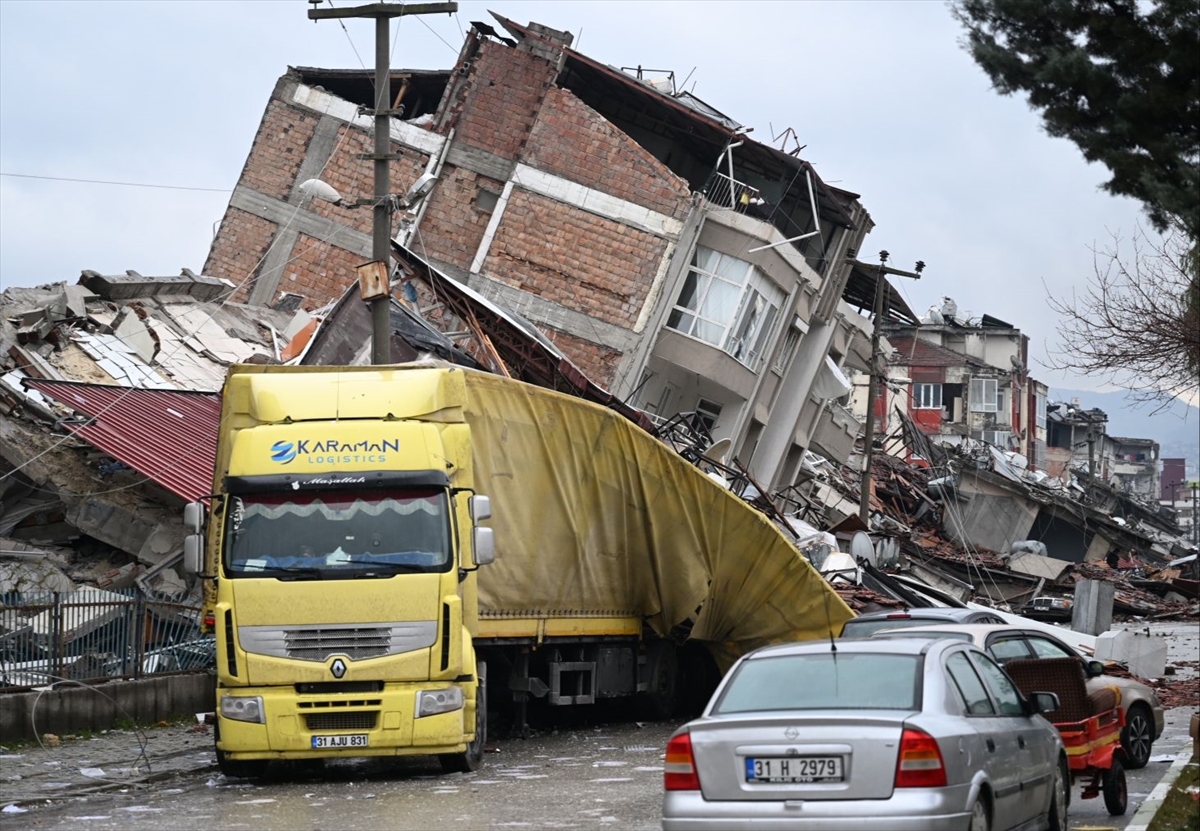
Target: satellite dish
x,y
717,450
861,547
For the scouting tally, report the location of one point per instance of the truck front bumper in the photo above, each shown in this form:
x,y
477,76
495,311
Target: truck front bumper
x,y
382,723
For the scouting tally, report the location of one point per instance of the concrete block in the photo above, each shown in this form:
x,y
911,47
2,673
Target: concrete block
x,y
1145,654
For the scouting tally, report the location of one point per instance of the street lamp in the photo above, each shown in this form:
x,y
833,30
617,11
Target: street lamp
x,y
374,278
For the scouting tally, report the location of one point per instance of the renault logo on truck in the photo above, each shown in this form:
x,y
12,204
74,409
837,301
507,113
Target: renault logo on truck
x,y
338,668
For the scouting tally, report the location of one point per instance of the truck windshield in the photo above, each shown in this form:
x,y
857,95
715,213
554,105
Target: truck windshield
x,y
337,534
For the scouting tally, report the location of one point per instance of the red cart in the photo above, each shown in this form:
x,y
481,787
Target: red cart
x,y
1090,725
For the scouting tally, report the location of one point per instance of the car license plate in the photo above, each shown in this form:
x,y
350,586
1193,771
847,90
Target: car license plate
x,y
339,742
794,769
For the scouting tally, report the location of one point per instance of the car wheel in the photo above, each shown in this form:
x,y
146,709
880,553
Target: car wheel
x,y
979,817
1137,736
1112,783
1060,797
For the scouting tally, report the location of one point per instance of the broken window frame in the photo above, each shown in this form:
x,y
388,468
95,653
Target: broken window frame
x,y
708,412
923,401
791,340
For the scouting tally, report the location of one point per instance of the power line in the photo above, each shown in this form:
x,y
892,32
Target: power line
x,y
109,182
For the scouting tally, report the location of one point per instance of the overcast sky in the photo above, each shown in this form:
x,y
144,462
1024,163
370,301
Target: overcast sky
x,y
888,103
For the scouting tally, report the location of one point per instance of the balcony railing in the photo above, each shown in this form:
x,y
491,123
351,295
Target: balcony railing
x,y
730,193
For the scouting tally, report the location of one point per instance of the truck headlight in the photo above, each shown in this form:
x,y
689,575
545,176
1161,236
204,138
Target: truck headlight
x,y
432,702
243,708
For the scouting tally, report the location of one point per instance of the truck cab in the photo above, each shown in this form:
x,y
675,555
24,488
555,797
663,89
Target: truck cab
x,y
339,549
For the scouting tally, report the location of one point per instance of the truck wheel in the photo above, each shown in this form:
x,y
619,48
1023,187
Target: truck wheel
x,y
1112,783
237,768
471,758
660,700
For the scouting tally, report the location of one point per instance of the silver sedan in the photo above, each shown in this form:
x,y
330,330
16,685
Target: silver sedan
x,y
888,735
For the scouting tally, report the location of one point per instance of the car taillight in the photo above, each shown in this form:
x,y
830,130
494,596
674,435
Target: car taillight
x,y
920,761
679,773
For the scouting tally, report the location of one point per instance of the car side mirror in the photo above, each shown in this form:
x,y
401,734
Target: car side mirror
x,y
1094,669
1043,702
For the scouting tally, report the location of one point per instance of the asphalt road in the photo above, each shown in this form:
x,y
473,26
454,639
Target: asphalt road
x,y
586,775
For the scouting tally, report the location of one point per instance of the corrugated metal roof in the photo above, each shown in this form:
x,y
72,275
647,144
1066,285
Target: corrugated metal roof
x,y
168,436
917,352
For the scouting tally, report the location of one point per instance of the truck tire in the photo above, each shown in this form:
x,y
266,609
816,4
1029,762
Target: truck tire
x,y
661,698
237,768
471,758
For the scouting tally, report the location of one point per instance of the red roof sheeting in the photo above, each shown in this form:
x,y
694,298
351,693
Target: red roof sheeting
x,y
168,436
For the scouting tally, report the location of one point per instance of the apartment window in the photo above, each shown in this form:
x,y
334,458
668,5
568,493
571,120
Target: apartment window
x,y
787,349
985,396
1040,402
708,412
728,303
927,396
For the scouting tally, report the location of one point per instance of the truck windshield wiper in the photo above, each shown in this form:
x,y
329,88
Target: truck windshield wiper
x,y
394,568
294,572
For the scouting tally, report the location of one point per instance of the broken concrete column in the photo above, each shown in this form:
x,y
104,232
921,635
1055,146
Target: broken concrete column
x,y
1093,609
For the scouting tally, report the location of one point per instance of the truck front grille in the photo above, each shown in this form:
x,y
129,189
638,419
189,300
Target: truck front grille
x,y
319,644
342,721
355,641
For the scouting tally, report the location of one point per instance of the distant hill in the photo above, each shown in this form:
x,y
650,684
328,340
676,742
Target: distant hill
x,y
1176,429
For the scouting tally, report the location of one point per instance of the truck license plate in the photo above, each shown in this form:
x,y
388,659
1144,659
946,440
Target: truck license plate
x,y
338,742
794,769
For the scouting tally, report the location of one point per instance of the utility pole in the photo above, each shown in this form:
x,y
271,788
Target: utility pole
x,y
378,295
875,378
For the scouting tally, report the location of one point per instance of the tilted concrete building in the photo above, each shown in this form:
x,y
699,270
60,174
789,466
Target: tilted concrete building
x,y
681,265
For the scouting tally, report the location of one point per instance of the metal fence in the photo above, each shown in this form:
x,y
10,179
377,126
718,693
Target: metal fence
x,y
94,634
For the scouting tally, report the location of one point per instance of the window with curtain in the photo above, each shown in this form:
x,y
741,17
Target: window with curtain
x,y
927,396
984,395
728,303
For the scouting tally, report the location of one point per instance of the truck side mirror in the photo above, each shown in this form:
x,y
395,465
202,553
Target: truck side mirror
x,y
193,557
193,516
1094,669
483,540
481,507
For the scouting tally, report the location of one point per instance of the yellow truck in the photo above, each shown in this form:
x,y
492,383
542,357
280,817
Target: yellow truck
x,y
357,601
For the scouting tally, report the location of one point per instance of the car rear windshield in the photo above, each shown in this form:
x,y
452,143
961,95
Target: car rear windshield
x,y
855,628
824,681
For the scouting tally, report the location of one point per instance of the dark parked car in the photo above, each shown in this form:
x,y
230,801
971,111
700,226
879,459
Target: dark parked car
x,y
1054,609
864,626
1143,711
870,735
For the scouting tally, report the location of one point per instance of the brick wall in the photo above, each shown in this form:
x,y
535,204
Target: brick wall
x,y
453,224
272,168
572,140
598,363
319,271
239,247
278,149
501,99
582,261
